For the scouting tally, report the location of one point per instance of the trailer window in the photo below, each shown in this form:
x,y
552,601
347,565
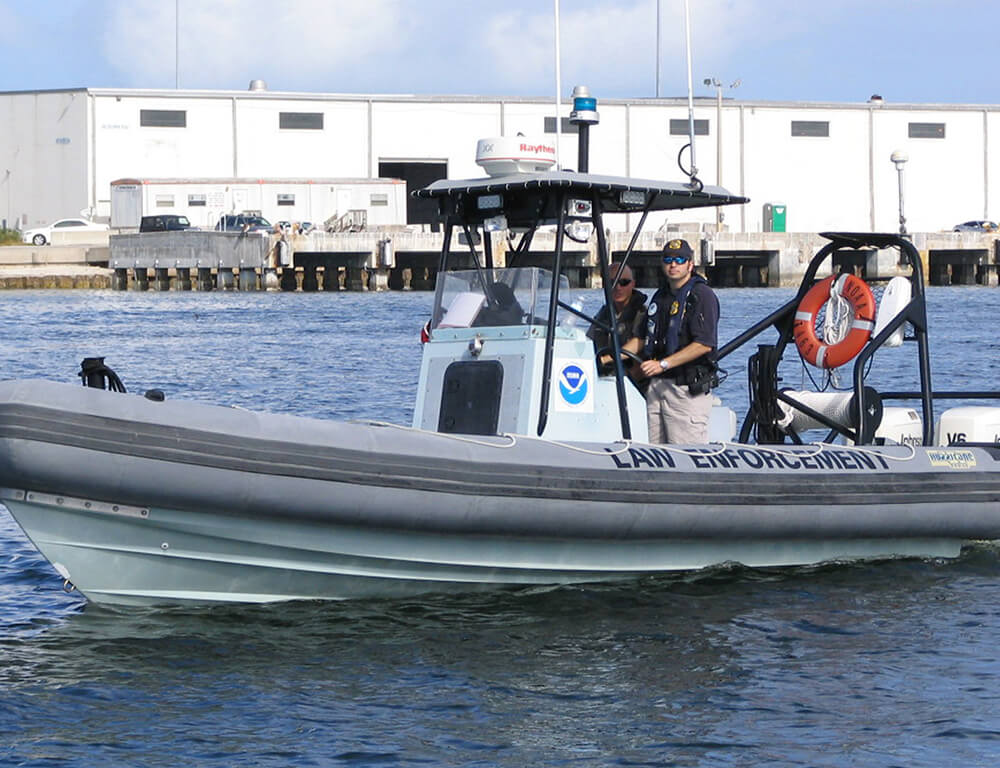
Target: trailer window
x,y
163,118
164,201
286,199
195,201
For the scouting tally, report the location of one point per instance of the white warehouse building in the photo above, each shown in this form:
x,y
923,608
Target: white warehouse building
x,y
828,163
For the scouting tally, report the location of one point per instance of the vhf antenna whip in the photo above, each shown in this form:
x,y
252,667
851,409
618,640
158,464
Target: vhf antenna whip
x,y
692,173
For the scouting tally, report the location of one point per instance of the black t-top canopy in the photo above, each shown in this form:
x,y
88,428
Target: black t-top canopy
x,y
528,199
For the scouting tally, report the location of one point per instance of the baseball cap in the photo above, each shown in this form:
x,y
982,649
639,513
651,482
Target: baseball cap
x,y
678,247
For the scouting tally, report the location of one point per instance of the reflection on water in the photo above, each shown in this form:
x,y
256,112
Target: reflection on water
x,y
891,663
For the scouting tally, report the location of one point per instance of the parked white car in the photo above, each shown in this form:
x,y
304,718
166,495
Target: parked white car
x,y
43,235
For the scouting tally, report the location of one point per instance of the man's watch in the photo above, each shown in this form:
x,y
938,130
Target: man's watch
x,y
664,364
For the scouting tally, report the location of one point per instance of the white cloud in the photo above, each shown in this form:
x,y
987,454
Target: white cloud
x,y
471,46
614,44
225,43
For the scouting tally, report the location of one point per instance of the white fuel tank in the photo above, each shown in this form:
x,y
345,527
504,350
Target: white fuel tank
x,y
969,424
504,155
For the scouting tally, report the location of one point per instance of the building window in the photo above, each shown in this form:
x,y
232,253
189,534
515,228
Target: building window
x,y
286,199
680,127
379,198
819,128
164,201
196,201
566,127
300,121
163,118
926,130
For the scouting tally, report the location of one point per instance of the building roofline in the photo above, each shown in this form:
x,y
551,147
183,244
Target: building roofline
x,y
405,98
45,91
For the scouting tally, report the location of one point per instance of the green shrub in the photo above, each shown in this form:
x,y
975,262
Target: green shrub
x,y
10,237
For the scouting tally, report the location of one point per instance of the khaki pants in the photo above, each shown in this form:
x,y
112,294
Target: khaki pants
x,y
675,415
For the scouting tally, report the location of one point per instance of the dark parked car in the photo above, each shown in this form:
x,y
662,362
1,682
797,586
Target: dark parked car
x,y
243,222
164,223
975,226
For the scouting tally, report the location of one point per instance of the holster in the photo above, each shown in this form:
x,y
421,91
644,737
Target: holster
x,y
701,377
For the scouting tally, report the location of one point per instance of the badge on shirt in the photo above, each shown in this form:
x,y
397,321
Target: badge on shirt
x,y
675,308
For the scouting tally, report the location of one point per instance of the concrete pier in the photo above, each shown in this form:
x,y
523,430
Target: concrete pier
x,y
196,260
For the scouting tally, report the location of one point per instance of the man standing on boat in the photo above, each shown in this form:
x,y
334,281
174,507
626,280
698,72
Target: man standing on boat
x,y
630,320
681,331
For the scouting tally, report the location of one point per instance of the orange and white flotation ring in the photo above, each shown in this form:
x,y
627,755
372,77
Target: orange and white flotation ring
x,y
859,296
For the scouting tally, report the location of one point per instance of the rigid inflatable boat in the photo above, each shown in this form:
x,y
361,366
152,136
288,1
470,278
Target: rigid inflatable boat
x,y
523,465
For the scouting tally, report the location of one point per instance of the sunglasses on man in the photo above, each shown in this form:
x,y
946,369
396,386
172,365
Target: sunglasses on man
x,y
625,281
676,259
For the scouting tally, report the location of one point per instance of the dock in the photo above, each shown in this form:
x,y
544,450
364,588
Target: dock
x,y
406,260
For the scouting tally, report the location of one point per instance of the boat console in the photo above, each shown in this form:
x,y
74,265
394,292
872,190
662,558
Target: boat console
x,y
482,367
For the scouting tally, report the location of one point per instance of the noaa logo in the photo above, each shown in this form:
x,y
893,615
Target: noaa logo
x,y
573,384
652,308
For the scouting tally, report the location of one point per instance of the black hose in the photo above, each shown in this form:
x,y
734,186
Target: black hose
x,y
696,183
95,373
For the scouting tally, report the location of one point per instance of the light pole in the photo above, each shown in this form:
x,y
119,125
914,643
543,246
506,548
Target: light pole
x,y
899,158
6,179
714,82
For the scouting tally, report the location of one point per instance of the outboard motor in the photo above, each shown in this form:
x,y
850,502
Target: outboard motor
x,y
95,373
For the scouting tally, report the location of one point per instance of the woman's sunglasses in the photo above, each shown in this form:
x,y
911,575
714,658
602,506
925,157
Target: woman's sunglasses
x,y
676,259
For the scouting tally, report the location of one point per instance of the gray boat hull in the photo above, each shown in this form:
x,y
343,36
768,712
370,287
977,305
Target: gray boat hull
x,y
135,501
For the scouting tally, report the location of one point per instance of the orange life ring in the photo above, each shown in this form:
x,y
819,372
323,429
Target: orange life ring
x,y
860,297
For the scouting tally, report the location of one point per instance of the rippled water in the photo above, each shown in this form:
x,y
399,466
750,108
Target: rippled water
x,y
885,664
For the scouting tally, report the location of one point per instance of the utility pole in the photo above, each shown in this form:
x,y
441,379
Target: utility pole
x,y
6,178
717,84
899,158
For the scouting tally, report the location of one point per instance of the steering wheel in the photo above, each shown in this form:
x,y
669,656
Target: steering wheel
x,y
610,350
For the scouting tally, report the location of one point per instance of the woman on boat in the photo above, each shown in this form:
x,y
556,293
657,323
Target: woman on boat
x,y
630,322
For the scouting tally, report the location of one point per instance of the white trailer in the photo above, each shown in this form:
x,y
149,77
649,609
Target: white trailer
x,y
204,201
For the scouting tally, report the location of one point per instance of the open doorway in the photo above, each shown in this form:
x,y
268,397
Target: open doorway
x,y
416,174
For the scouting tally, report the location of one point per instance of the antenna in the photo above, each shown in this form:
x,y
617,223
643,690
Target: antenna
x,y
657,48
692,172
558,90
687,33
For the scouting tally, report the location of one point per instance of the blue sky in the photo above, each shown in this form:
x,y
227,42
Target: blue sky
x,y
812,50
